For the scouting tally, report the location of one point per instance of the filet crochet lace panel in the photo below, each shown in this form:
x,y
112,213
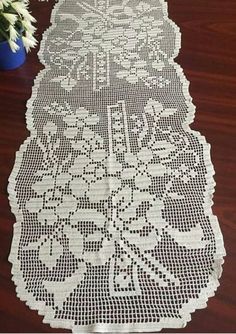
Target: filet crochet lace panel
x,y
112,191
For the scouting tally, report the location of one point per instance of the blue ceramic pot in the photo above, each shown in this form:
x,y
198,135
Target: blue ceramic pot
x,y
10,60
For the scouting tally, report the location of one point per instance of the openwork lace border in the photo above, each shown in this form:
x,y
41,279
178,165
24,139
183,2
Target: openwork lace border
x,y
192,304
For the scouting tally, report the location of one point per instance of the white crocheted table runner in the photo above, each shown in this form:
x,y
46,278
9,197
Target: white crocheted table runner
x,y
112,191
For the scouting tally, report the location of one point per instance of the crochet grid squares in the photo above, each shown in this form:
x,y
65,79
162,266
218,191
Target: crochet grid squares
x,y
113,191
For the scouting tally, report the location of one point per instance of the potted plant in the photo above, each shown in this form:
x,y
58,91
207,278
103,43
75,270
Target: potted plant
x,y
16,33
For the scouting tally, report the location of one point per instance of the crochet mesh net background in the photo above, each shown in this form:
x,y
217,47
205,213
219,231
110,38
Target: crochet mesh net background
x,y
112,191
